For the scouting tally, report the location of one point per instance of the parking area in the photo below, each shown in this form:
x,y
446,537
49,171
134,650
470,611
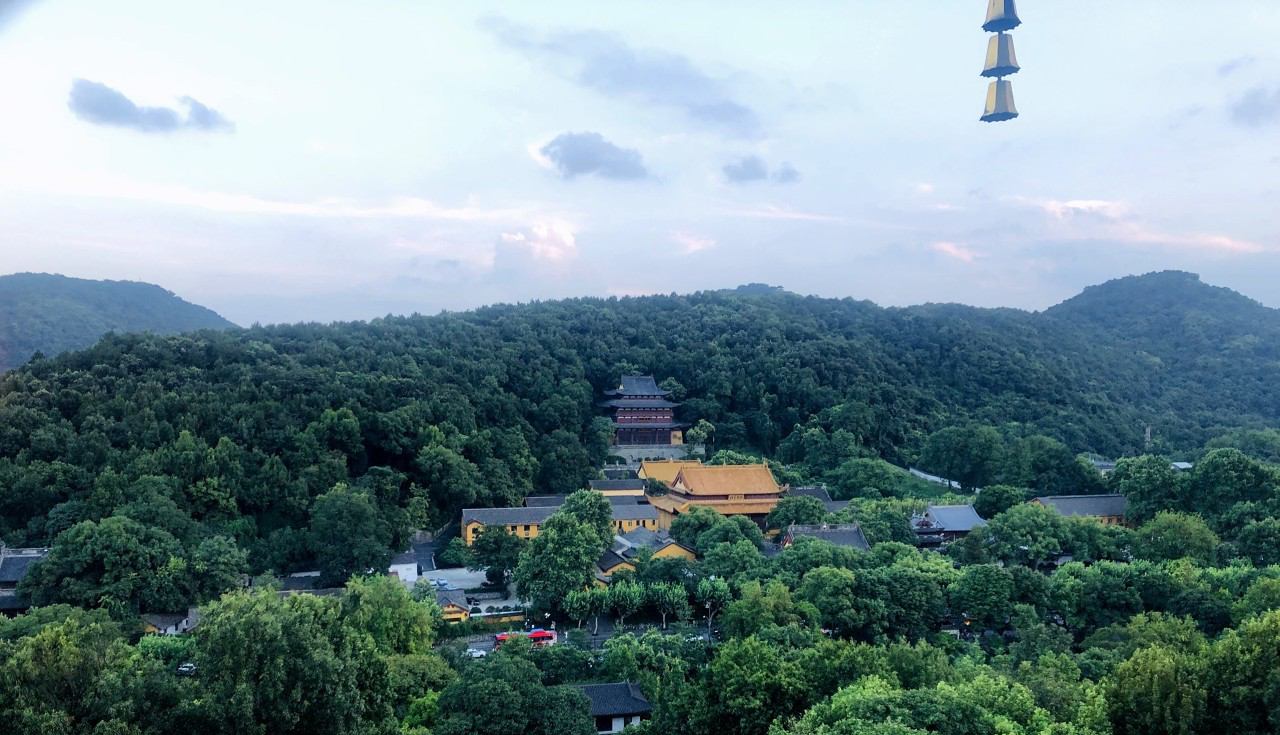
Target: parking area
x,y
462,578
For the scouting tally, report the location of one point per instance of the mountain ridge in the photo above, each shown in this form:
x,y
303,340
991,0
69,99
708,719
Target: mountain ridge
x,y
50,313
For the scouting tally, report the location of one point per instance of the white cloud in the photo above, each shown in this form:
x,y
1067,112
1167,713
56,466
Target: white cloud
x,y
548,240
692,243
953,250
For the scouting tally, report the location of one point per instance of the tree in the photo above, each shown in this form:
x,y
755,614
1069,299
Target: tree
x,y
497,552
669,599
1226,476
260,656
382,608
456,553
118,564
217,565
1027,534
700,433
983,596
765,606
348,536
626,598
687,527
504,695
1157,692
577,605
1260,541
1262,597
865,478
752,679
801,509
1149,483
1170,536
969,455
712,594
592,508
996,499
887,520
560,559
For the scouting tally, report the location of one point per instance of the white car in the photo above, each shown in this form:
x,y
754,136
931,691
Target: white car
x,y
476,653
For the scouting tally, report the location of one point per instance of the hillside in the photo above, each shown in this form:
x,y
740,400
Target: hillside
x,y
46,313
436,413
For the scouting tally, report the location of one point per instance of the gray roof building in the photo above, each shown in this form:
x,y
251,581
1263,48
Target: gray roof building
x,y
953,518
638,385
1094,506
555,501
816,491
602,485
452,597
615,700
845,534
539,514
15,563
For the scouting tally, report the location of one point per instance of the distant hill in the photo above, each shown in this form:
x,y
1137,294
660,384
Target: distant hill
x,y
40,312
1192,342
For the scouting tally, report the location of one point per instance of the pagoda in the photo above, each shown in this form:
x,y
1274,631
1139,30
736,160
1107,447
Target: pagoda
x,y
642,414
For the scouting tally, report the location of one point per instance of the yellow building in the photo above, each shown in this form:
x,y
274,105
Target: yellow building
x,y
748,490
453,605
527,522
665,470
619,488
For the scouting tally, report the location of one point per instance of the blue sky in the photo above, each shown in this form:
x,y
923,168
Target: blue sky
x,y
309,161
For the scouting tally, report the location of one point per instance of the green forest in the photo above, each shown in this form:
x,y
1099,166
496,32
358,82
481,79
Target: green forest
x,y
163,470
49,314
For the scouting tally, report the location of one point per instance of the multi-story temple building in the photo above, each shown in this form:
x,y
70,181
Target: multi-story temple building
x,y
642,413
747,490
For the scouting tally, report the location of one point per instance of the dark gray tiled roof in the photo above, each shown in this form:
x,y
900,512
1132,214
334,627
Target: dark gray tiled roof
x,y
613,700
638,385
638,403
1086,505
648,424
452,597
555,501
618,473
849,535
539,514
164,620
407,557
16,563
608,560
835,506
636,484
818,492
957,518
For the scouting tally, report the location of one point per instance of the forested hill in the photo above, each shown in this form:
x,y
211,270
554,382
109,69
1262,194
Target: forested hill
x,y
241,430
40,312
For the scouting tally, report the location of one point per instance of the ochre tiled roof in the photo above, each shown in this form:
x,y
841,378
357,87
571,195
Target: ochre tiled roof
x,y
666,470
741,479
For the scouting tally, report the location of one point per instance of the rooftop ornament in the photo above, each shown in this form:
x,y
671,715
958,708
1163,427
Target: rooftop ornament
x,y
1002,16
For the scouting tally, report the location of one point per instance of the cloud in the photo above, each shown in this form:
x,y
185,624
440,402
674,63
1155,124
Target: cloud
x,y
748,168
771,211
692,243
1259,106
1235,65
604,63
1100,219
552,241
99,104
10,9
959,252
753,168
579,154
786,174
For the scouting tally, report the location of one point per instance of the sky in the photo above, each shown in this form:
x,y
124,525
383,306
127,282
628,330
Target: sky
x,y
318,161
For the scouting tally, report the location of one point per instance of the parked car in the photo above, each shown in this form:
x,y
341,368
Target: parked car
x,y
187,669
476,653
